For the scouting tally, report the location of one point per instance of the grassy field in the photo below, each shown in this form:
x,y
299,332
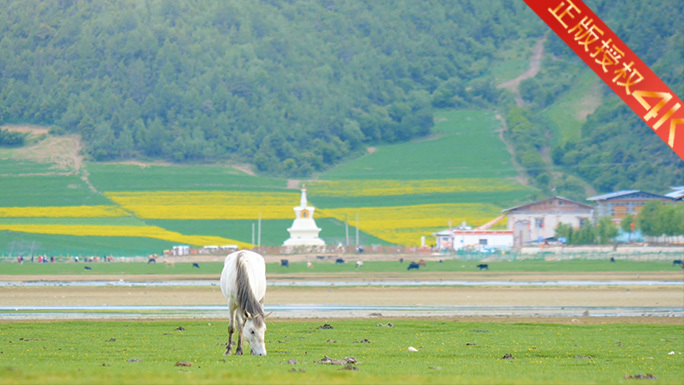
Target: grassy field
x,y
447,352
464,145
513,60
569,113
23,167
48,190
213,269
122,177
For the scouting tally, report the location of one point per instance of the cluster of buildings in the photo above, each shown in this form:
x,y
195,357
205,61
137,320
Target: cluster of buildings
x,y
536,222
530,223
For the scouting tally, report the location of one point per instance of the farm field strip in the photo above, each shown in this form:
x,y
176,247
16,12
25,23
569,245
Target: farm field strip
x,y
62,212
404,225
380,187
207,204
122,231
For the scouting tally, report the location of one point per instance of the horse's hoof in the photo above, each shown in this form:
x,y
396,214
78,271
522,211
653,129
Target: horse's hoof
x,y
227,353
238,352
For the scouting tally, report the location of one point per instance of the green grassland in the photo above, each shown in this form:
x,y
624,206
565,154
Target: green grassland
x,y
22,167
81,352
565,120
15,243
122,177
465,144
513,60
213,269
48,190
501,200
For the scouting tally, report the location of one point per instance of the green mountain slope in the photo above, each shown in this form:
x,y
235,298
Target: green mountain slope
x,y
290,87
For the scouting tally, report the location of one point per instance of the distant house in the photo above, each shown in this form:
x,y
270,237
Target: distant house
x,y
537,221
476,240
180,250
618,204
677,194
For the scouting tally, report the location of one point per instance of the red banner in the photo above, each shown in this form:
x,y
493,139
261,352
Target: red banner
x,y
618,66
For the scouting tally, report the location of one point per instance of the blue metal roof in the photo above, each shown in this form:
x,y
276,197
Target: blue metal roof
x,y
612,195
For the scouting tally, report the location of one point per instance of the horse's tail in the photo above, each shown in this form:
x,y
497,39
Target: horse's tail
x,y
246,299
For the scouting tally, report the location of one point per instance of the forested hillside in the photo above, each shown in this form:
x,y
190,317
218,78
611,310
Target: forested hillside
x,y
291,87
613,149
294,87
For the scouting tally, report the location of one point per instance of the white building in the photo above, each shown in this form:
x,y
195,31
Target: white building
x,y
180,250
537,221
476,240
304,231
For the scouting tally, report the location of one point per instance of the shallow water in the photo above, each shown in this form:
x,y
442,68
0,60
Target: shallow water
x,y
325,311
341,283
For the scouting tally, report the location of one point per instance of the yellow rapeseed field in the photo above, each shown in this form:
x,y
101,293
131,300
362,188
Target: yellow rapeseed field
x,y
404,225
207,204
124,231
357,188
62,212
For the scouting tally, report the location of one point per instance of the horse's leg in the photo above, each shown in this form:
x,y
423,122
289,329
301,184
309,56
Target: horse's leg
x,y
231,330
240,322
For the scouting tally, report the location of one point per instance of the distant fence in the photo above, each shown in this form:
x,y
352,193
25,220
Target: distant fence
x,y
632,253
69,258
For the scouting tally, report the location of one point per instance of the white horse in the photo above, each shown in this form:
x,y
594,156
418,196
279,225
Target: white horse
x,y
243,283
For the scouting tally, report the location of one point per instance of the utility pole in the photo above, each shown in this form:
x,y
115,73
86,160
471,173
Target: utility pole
x,y
346,231
357,229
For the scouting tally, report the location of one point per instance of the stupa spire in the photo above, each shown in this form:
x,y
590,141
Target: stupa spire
x,y
302,202
304,232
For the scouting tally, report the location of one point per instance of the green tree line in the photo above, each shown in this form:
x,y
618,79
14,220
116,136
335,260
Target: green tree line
x,y
12,138
655,219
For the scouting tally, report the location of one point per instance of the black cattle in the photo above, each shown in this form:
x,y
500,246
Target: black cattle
x,y
677,262
413,265
612,259
88,268
151,260
339,260
195,265
483,266
284,263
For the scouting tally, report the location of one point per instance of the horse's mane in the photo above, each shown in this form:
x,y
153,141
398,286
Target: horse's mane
x,y
245,297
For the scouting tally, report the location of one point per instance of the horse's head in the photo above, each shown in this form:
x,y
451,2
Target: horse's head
x,y
254,332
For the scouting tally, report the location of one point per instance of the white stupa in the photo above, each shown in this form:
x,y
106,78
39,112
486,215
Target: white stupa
x,y
304,231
